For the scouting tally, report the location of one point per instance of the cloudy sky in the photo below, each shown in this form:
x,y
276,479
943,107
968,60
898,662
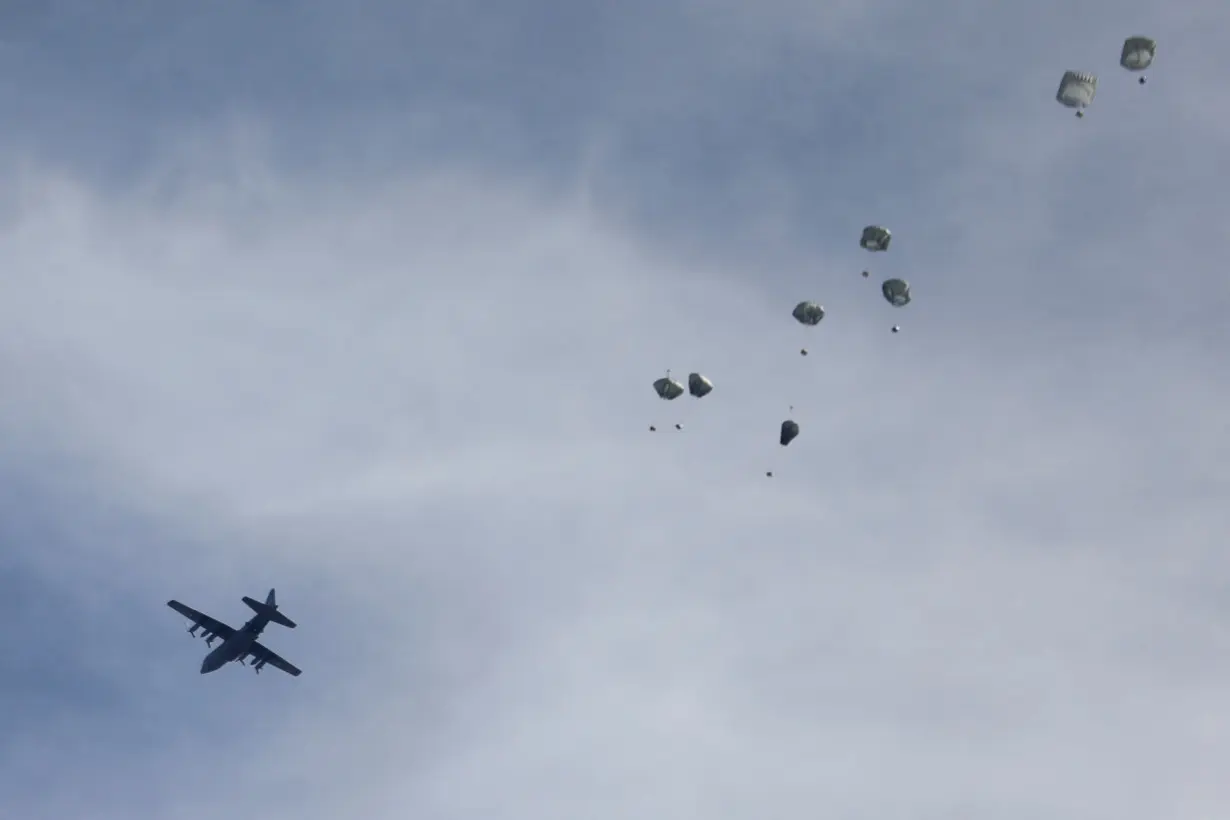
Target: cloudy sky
x,y
364,301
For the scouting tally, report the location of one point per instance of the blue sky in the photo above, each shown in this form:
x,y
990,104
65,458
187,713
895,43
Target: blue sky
x,y
364,301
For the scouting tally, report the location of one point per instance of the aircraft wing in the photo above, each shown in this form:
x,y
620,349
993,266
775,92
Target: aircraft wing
x,y
216,627
263,655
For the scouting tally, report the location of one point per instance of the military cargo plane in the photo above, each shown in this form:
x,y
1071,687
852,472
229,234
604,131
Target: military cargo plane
x,y
238,644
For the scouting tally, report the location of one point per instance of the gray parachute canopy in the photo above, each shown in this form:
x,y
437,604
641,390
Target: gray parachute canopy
x,y
1076,90
808,313
699,386
1138,53
896,291
790,431
667,388
876,238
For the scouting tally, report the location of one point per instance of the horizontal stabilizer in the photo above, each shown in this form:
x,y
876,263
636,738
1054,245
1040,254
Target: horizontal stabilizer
x,y
270,611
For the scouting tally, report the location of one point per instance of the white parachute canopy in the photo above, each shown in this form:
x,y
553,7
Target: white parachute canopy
x,y
1138,54
1076,90
699,386
876,238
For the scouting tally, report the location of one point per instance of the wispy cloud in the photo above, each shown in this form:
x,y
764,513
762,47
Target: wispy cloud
x,y
366,306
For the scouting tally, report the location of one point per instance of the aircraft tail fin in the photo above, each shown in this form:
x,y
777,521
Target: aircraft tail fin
x,y
269,609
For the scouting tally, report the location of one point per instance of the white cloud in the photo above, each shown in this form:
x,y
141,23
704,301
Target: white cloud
x,y
982,582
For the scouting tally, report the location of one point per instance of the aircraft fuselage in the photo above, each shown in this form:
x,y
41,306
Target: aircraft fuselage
x,y
235,647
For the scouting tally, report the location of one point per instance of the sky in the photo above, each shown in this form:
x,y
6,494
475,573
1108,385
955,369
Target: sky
x,y
364,302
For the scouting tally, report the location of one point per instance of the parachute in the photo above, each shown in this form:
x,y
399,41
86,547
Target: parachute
x,y
1076,90
667,388
876,238
808,313
699,386
896,292
1138,54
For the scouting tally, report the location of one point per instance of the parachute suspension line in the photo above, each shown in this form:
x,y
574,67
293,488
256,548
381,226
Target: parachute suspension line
x,y
678,424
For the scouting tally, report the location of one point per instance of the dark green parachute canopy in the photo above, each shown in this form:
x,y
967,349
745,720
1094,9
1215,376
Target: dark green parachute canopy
x,y
876,238
790,431
667,388
896,291
699,386
808,313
